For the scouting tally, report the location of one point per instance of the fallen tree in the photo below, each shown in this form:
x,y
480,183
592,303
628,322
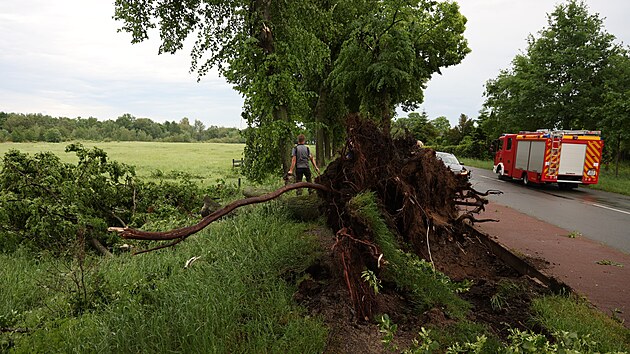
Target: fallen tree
x,y
421,201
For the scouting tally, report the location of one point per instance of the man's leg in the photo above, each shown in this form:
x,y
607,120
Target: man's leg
x,y
298,178
307,173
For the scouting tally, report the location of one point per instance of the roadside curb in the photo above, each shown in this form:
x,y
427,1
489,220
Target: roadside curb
x,y
518,263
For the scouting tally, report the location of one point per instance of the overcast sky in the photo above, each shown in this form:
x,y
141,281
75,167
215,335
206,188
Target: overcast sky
x,y
65,58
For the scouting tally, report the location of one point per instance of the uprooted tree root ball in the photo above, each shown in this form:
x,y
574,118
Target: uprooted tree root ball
x,y
419,199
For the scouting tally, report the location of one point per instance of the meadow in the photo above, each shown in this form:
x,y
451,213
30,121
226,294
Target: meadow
x,y
205,162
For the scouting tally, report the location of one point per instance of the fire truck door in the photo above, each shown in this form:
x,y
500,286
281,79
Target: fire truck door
x,y
536,156
572,159
522,155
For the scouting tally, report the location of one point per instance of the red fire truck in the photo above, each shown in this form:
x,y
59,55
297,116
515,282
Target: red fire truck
x,y
565,157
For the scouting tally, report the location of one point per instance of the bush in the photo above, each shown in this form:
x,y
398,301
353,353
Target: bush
x,y
45,203
467,148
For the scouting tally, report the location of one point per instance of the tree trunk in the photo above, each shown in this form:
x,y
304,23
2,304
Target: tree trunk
x,y
328,149
320,144
618,154
285,143
100,248
280,112
386,113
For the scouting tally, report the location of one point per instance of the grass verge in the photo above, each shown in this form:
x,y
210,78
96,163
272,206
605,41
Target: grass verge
x,y
235,298
569,314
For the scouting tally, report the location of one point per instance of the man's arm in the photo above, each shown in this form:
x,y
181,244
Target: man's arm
x,y
292,164
314,164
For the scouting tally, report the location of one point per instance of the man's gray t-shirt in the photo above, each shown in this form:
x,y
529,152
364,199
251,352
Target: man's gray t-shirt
x,y
302,154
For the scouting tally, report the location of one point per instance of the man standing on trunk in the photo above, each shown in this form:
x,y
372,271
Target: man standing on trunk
x,y
299,160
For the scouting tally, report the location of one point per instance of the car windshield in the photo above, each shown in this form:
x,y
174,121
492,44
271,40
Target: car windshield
x,y
449,159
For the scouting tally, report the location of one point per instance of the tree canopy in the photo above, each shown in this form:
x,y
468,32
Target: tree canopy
x,y
305,61
571,76
560,79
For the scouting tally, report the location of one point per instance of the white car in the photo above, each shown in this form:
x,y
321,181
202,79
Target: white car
x,y
452,163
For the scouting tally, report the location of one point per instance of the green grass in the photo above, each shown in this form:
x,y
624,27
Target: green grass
x,y
485,164
561,313
235,298
206,162
611,183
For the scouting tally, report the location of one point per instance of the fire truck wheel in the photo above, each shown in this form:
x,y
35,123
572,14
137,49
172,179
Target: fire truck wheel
x,y
525,179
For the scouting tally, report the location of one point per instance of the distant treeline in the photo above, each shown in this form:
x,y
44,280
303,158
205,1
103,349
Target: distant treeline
x,y
17,127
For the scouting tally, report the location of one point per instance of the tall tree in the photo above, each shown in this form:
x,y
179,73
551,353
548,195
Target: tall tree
x,y
442,126
280,55
418,125
558,82
262,47
394,49
615,111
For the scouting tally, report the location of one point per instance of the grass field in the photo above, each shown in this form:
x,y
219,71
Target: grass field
x,y
206,162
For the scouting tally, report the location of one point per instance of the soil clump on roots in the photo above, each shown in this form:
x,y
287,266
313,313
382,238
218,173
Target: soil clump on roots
x,y
425,207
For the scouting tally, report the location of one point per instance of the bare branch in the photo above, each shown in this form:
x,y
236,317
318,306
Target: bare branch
x,y
182,233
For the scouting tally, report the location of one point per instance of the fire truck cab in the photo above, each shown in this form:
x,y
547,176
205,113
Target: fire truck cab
x,y
565,157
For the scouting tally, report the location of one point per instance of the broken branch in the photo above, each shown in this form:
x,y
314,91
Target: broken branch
x,y
182,233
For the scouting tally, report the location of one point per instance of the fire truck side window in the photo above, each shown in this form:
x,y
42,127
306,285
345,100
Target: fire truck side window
x,y
509,144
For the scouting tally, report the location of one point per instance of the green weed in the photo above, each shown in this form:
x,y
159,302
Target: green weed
x,y
387,329
507,290
369,277
574,234
609,262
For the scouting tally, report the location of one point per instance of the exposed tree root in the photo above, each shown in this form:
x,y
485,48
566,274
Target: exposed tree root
x,y
182,233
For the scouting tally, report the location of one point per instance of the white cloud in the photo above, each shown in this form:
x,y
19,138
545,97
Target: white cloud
x,y
497,30
65,58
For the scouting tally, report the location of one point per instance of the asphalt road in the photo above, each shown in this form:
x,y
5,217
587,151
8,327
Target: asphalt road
x,y
600,216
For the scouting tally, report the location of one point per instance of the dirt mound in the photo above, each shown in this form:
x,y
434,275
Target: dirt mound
x,y
426,206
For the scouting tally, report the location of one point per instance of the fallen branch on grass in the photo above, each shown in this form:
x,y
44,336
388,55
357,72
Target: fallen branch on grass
x,y
182,233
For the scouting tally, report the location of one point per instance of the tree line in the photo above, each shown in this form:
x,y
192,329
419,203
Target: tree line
x,y
18,127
